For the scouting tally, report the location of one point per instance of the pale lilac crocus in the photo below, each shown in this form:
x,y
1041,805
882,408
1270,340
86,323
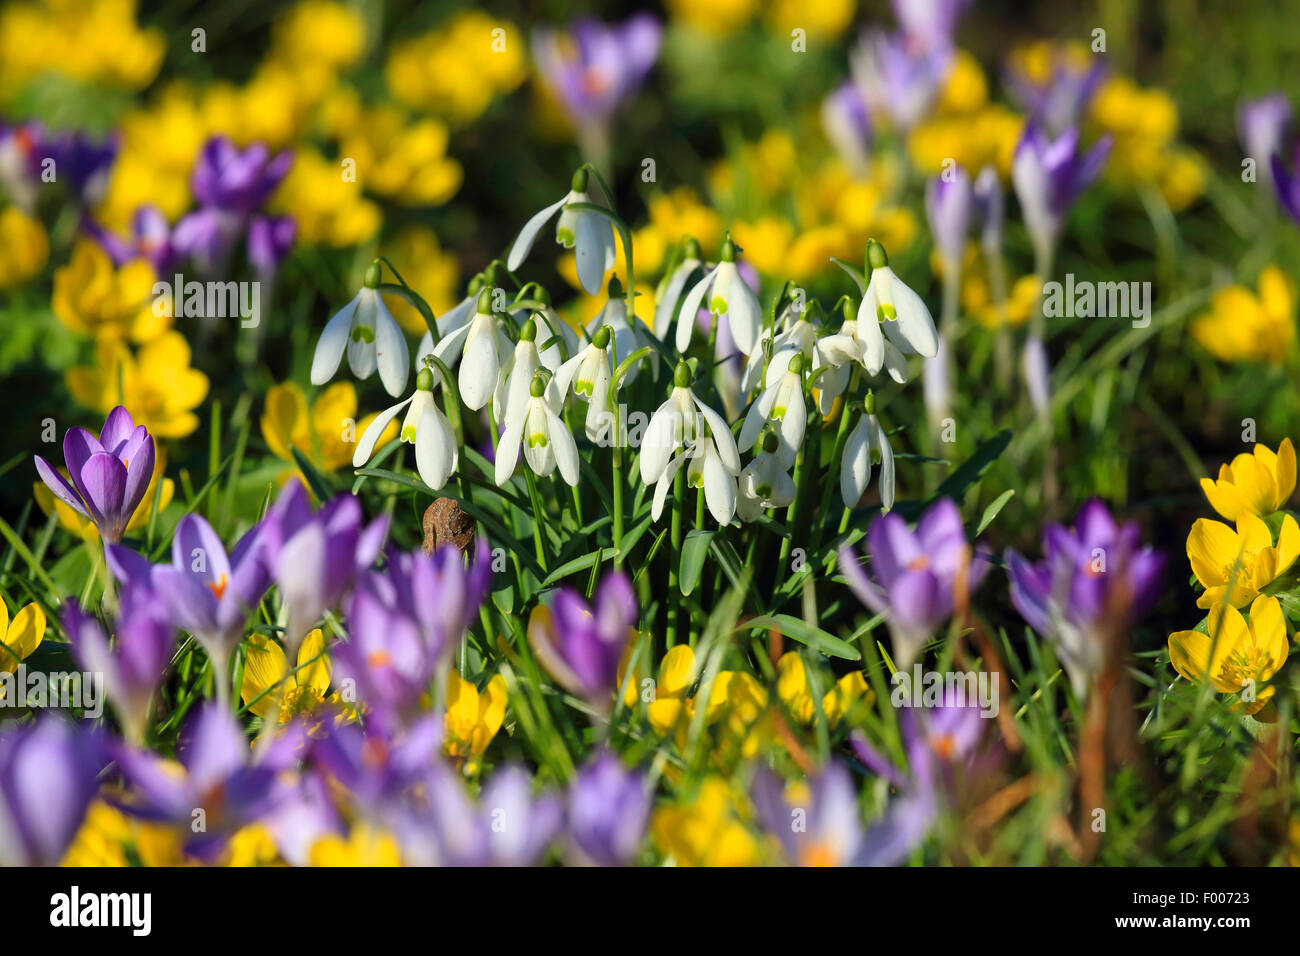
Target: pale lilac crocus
x,y
149,236
207,592
580,644
109,473
608,809
594,69
949,208
48,774
1094,578
1049,175
134,663
918,576
847,125
929,24
1059,103
1286,182
896,80
1262,124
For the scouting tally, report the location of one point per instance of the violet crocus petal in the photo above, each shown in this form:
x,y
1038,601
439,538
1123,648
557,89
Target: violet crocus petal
x,y
527,826
138,457
862,585
615,608
1030,590
59,486
767,793
894,837
874,761
118,427
47,779
918,601
608,810
127,566
213,748
198,552
370,541
78,446
893,548
192,605
103,483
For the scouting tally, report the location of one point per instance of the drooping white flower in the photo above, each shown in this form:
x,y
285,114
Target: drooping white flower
x,y
588,374
556,339
890,303
425,427
684,428
546,441
480,346
672,285
367,331
781,403
455,318
764,483
628,334
589,234
510,399
866,444
729,297
708,473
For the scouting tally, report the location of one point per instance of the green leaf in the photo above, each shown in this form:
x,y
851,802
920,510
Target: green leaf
x,y
797,630
578,564
992,510
694,550
318,483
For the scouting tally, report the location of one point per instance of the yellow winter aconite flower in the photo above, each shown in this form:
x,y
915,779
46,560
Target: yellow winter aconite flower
x,y
456,70
156,384
92,41
274,107
252,845
676,676
21,636
265,666
680,212
435,274
1144,123
24,247
718,17
84,528
326,432
708,830
403,161
364,846
1234,566
92,297
984,137
321,33
824,20
1244,327
1260,483
793,689
102,839
473,718
1236,656
328,209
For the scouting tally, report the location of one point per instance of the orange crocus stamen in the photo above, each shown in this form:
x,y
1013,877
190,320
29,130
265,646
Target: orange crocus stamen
x,y
218,587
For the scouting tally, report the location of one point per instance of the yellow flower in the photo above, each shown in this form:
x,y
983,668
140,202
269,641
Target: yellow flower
x,y
428,270
273,107
319,33
473,719
1234,655
24,247
265,666
965,89
681,213
252,845
102,838
708,830
91,297
766,242
824,20
676,676
1234,566
364,846
403,161
793,689
326,433
327,209
81,526
986,137
22,636
1261,483
456,70
718,17
1244,327
156,385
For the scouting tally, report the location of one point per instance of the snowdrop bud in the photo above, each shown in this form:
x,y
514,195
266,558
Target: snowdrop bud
x,y
869,403
691,248
424,380
876,257
728,253
579,182
537,387
601,338
796,364
484,304
528,333
682,375
373,275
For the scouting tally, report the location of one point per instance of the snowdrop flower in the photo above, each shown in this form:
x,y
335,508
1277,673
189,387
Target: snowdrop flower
x,y
684,428
888,301
511,396
781,403
589,234
589,374
764,482
555,337
479,345
425,427
455,318
866,445
729,296
627,334
546,442
673,284
367,331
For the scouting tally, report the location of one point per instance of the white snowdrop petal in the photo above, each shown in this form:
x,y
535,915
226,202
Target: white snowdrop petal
x,y
366,446
333,342
528,235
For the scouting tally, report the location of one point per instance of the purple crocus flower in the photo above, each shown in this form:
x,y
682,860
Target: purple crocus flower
x,y
1058,104
929,24
109,474
990,207
405,623
133,665
225,786
149,237
597,67
1094,578
377,766
507,827
1262,126
1049,175
269,240
80,163
48,776
896,80
609,807
919,574
949,204
581,645
208,593
848,125
1286,182
314,557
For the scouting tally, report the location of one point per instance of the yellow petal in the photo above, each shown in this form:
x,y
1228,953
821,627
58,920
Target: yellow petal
x,y
22,636
1211,547
1223,497
664,713
1252,532
1285,472
315,675
284,420
1268,626
676,671
264,666
1288,544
